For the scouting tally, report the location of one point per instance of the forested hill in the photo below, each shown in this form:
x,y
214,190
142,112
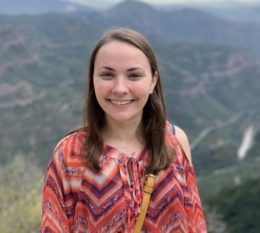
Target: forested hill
x,y
43,66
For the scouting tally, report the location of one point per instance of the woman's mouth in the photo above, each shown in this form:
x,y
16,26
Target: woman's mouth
x,y
121,103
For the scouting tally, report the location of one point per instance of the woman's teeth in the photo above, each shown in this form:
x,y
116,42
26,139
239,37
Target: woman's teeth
x,y
121,103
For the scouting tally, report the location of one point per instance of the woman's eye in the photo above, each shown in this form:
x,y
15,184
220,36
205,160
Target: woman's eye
x,y
134,76
107,75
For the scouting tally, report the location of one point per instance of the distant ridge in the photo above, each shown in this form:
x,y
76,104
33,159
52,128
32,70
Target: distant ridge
x,y
129,5
17,7
201,65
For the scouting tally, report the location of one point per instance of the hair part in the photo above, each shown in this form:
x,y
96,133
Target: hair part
x,y
153,123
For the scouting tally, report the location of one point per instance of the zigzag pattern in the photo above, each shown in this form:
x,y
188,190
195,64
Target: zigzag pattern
x,y
77,200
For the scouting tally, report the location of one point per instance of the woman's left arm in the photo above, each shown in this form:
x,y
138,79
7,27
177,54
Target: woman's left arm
x,y
192,202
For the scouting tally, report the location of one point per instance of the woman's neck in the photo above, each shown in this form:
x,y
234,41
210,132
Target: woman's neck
x,y
123,135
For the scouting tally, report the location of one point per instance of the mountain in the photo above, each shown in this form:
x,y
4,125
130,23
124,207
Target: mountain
x,y
185,24
124,14
235,208
236,12
202,24
211,86
15,7
43,57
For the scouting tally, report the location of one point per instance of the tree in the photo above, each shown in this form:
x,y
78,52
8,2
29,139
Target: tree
x,y
20,197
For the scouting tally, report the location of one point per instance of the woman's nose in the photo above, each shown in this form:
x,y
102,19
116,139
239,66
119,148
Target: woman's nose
x,y
120,86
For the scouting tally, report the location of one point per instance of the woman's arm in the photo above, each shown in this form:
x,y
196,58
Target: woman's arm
x,y
54,217
183,139
192,202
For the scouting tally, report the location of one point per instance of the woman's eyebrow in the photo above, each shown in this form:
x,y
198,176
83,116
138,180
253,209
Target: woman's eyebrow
x,y
134,69
106,67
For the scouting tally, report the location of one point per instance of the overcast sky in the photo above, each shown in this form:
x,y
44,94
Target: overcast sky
x,y
171,1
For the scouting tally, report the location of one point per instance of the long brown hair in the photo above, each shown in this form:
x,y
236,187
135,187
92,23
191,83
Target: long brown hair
x,y
153,123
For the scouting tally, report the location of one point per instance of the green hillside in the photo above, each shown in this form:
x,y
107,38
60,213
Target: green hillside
x,y
20,197
43,69
211,90
240,207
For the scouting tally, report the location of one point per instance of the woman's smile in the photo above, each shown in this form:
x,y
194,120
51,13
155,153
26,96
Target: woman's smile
x,y
121,103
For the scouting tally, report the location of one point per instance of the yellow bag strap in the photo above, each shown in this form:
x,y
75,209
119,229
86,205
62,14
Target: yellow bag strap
x,y
148,189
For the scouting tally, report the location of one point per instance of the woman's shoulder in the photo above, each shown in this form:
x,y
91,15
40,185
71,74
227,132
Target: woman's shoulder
x,y
71,140
184,141
66,162
70,146
180,138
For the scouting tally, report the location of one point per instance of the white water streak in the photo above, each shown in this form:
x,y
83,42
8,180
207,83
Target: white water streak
x,y
247,143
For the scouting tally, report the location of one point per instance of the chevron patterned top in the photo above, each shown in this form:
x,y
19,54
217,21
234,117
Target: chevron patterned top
x,y
77,200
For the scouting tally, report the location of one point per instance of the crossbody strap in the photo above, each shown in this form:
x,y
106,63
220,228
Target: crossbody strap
x,y
148,189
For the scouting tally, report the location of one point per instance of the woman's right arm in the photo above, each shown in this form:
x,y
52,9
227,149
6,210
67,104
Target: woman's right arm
x,y
54,217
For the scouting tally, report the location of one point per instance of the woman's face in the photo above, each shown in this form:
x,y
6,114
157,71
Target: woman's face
x,y
122,81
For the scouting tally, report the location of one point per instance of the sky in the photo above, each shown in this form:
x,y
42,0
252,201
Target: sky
x,y
172,1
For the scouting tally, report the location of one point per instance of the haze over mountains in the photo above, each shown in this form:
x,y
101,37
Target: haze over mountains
x,y
15,7
219,79
239,28
210,73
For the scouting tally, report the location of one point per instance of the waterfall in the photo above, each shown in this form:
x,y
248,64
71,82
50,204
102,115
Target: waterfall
x,y
247,143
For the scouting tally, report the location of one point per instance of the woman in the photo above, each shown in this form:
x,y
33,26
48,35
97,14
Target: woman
x,y
95,179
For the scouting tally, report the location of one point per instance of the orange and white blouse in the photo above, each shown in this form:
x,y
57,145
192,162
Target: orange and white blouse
x,y
76,200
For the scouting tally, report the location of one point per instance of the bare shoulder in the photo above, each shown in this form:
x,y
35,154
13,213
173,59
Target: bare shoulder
x,y
183,139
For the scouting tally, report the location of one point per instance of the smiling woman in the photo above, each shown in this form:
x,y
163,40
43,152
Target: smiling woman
x,y
98,177
123,82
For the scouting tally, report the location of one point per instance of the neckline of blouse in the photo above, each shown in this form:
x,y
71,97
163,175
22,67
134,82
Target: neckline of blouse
x,y
113,152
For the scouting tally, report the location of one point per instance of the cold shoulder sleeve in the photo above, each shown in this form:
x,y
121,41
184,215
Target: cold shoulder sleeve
x,y
192,202
54,209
